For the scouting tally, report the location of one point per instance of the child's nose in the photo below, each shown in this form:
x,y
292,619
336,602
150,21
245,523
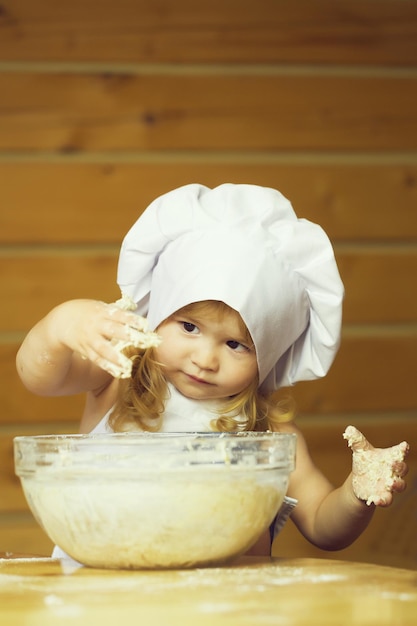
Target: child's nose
x,y
205,357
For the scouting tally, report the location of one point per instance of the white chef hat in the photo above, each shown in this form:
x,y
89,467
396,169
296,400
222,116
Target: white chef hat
x,y
245,246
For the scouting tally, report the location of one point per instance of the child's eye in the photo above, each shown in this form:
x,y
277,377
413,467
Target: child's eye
x,y
189,327
236,346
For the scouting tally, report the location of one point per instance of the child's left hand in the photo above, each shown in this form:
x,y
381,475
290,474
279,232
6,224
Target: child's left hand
x,y
376,472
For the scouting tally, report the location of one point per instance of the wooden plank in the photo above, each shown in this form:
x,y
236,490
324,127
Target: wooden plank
x,y
377,282
12,496
371,373
22,535
36,281
174,111
32,282
309,31
67,201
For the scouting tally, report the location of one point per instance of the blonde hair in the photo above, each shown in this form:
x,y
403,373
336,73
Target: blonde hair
x,y
141,398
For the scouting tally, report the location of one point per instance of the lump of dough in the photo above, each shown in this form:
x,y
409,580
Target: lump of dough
x,y
137,339
373,468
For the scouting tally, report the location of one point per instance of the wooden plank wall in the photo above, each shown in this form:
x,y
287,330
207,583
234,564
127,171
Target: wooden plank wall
x,y
104,106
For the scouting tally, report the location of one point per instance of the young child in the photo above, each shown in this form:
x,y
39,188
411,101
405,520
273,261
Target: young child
x,y
244,299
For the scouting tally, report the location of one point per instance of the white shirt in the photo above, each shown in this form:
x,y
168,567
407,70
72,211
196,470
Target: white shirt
x,y
181,414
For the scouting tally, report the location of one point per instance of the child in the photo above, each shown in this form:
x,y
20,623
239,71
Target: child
x,y
245,299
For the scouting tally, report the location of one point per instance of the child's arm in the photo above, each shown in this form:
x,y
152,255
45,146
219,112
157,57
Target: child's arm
x,y
332,518
72,349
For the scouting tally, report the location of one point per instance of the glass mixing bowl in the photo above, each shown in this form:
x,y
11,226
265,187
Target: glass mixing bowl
x,y
161,500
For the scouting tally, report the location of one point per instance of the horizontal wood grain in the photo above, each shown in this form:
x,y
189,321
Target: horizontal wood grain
x,y
377,282
22,535
13,498
66,202
12,495
371,373
87,112
312,31
36,281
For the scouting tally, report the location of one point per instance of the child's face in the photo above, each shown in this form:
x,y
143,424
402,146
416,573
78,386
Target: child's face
x,y
206,358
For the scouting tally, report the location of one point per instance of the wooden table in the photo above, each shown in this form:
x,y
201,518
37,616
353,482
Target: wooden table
x,y
252,591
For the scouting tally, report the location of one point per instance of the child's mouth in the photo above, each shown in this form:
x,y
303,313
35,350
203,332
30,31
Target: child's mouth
x,y
196,379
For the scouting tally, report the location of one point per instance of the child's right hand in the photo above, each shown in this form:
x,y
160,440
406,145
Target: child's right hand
x,y
75,347
98,332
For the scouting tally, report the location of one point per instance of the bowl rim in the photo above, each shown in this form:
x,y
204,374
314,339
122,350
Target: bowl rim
x,y
174,450
150,436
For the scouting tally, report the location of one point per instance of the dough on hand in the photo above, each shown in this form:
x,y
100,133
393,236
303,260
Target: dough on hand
x,y
375,470
137,339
